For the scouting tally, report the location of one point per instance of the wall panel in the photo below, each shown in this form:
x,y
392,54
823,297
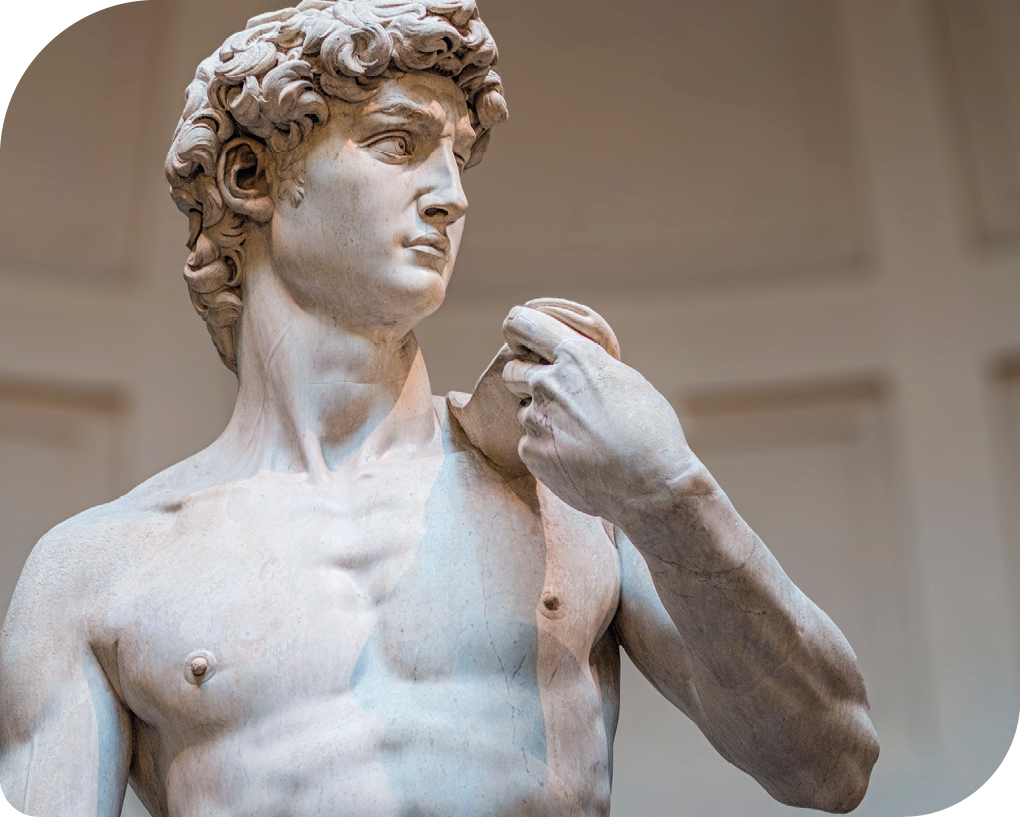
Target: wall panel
x,y
71,213
979,68
62,450
691,143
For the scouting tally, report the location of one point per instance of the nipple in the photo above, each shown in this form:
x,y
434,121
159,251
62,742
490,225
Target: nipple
x,y
551,604
199,667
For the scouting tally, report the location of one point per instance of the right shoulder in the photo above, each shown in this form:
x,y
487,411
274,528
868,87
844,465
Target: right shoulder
x,y
76,563
65,581
71,567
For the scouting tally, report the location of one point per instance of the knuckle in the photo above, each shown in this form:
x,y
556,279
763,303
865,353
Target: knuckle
x,y
569,347
543,390
515,320
512,331
544,383
530,421
540,374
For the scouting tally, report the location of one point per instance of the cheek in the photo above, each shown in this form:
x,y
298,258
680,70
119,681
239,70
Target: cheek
x,y
371,216
342,219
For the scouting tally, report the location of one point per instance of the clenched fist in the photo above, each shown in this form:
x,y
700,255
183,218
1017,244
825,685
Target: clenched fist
x,y
595,431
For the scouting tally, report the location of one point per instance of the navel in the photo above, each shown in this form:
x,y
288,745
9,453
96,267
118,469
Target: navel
x,y
199,667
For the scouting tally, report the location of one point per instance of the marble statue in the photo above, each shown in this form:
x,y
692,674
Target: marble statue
x,y
365,600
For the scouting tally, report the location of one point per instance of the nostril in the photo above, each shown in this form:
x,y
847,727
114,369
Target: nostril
x,y
435,212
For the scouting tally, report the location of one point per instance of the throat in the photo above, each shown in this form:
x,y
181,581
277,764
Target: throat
x,y
314,406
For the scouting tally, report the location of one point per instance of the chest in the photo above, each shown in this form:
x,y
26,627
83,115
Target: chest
x,y
275,591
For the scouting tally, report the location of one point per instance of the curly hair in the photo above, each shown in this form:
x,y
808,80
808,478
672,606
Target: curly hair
x,y
269,82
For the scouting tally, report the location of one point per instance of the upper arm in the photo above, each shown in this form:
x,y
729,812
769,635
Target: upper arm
x,y
64,735
650,638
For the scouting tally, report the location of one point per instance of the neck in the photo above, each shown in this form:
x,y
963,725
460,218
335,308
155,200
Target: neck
x,y
317,397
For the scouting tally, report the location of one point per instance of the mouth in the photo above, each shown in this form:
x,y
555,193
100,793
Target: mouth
x,y
432,244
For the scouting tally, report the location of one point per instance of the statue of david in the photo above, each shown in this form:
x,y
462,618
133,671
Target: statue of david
x,y
366,600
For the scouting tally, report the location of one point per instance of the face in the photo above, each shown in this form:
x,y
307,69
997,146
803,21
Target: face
x,y
373,241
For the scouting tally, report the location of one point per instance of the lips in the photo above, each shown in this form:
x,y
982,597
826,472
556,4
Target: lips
x,y
432,243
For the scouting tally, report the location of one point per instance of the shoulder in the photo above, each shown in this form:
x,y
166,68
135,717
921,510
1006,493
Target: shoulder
x,y
455,441
63,582
461,456
69,570
74,565
103,536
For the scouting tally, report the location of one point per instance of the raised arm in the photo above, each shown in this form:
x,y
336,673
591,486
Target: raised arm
x,y
763,672
706,611
64,737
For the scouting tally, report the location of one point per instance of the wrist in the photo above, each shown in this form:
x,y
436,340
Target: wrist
x,y
685,492
690,524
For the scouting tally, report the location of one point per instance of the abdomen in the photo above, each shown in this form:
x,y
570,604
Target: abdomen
x,y
475,748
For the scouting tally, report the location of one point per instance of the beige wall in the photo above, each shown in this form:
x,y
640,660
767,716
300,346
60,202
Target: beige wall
x,y
803,220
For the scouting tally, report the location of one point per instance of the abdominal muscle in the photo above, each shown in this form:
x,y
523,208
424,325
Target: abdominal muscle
x,y
477,747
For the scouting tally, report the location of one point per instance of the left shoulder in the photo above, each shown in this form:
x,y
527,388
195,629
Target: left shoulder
x,y
454,439
587,531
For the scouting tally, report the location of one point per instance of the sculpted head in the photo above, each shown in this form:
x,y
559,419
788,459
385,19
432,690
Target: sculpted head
x,y
252,144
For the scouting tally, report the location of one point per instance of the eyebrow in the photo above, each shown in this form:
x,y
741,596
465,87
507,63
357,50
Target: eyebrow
x,y
403,110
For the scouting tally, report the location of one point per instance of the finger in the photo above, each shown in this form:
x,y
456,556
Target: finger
x,y
582,319
517,376
533,422
528,330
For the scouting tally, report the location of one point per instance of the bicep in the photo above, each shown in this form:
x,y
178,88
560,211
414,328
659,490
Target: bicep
x,y
64,736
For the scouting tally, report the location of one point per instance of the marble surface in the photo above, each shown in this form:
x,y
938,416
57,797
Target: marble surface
x,y
366,599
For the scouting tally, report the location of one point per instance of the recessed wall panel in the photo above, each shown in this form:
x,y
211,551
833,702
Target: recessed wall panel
x,y
61,452
979,61
70,149
662,144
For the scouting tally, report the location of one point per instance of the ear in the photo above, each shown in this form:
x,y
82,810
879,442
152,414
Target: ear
x,y
242,178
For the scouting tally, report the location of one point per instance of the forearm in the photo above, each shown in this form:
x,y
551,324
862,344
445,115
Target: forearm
x,y
731,601
776,683
803,731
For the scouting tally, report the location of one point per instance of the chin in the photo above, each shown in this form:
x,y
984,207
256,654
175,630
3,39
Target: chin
x,y
419,292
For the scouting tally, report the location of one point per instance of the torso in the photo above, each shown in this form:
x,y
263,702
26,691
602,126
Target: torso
x,y
415,638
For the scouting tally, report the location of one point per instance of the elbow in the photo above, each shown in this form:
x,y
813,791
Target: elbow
x,y
835,777
846,789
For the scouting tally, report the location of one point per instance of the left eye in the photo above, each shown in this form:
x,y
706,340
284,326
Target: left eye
x,y
393,145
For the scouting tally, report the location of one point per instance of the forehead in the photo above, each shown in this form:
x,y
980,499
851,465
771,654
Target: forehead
x,y
420,93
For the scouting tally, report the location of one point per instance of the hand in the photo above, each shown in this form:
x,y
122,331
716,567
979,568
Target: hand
x,y
596,432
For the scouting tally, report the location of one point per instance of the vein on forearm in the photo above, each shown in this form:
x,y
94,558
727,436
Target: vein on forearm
x,y
727,595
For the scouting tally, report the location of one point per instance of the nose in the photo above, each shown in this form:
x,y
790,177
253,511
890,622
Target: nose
x,y
442,200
